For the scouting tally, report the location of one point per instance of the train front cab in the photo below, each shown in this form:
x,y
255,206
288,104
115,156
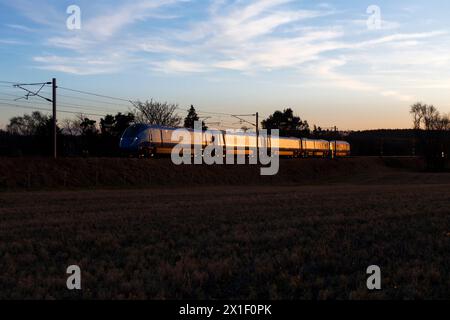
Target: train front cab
x,y
134,138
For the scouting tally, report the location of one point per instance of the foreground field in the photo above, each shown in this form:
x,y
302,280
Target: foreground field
x,y
295,242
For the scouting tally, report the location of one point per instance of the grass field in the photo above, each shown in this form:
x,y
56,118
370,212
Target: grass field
x,y
222,242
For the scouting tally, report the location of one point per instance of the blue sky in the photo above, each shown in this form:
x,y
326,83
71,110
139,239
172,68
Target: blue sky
x,y
236,56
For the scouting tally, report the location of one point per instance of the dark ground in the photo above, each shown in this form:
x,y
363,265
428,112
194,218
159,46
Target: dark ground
x,y
282,238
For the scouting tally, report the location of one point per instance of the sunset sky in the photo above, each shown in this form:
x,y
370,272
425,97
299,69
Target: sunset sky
x,y
319,58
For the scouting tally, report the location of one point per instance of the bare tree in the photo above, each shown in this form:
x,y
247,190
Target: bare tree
x,y
417,113
159,113
431,118
427,117
71,127
443,123
433,140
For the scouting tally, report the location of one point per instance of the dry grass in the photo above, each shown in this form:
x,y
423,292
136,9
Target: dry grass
x,y
295,242
76,173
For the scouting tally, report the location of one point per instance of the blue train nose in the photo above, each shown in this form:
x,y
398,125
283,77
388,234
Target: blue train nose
x,y
129,143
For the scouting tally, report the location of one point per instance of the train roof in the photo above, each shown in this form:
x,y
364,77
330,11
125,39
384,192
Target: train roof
x,y
153,126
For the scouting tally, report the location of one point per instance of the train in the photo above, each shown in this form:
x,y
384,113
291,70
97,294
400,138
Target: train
x,y
153,140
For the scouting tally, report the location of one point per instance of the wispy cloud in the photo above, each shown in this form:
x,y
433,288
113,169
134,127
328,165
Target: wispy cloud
x,y
12,42
39,12
384,25
400,37
178,66
107,25
329,72
246,37
20,27
82,66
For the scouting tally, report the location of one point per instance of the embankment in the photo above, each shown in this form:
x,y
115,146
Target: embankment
x,y
67,173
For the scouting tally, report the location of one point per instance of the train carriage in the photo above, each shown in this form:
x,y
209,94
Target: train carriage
x,y
287,147
315,148
151,140
340,148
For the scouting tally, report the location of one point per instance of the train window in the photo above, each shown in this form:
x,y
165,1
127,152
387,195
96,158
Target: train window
x,y
156,135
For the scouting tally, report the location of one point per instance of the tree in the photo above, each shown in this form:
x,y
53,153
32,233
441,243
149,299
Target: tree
x,y
427,117
18,125
317,130
190,119
432,138
417,113
122,122
115,125
34,124
88,127
107,124
444,123
287,123
71,127
157,113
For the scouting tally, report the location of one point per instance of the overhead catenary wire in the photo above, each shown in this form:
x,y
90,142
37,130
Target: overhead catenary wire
x,y
6,86
85,106
75,107
6,104
30,93
96,94
3,104
133,102
110,98
10,82
65,104
90,100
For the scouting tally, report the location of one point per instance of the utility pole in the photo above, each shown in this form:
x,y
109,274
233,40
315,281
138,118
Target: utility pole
x,y
257,136
256,125
335,142
36,93
54,117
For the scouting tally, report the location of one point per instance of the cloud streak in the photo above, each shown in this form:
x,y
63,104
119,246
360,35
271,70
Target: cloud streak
x,y
245,37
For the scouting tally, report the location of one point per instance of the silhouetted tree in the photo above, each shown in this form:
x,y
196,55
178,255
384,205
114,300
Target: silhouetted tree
x,y
122,122
115,125
430,129
37,124
106,124
191,117
159,113
427,117
46,128
88,127
71,127
317,131
287,123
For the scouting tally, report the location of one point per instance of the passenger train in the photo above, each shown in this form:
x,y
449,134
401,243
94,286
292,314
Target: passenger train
x,y
152,140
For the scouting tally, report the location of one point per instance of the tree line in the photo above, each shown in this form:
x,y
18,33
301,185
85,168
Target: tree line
x,y
148,112
81,135
431,133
